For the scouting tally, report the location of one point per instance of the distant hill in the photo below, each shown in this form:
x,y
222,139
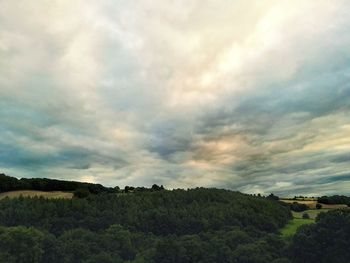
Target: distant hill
x,y
8,183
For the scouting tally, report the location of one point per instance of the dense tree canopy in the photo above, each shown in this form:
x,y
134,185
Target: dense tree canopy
x,y
161,212
197,225
296,207
326,241
8,183
155,225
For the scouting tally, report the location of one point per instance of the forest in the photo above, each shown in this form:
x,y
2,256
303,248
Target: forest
x,y
157,225
9,183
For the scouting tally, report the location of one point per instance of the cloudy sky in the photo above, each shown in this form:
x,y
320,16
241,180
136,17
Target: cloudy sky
x,y
240,94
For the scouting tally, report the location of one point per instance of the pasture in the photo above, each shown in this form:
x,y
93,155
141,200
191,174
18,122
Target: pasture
x,y
313,213
312,204
298,220
291,228
32,193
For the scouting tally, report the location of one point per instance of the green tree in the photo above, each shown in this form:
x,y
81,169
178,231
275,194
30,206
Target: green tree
x,y
81,193
306,216
21,245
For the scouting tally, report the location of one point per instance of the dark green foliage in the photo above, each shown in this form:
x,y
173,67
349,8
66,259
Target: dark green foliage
x,y
326,241
334,199
128,189
282,260
157,188
297,207
263,250
273,197
21,245
160,212
81,193
306,216
154,225
318,206
198,225
8,183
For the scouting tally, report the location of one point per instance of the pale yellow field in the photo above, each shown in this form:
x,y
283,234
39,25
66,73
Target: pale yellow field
x,y
31,193
312,204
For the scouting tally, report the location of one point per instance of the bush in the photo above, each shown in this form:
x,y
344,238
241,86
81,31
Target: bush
x,y
273,197
318,206
306,216
81,193
297,207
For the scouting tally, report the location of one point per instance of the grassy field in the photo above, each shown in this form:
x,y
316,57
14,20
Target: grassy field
x,y
30,193
290,229
312,204
312,213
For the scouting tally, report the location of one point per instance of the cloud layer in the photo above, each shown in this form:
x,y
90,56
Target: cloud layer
x,y
246,95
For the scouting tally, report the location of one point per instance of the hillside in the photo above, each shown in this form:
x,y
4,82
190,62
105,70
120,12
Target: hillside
x,y
8,183
197,225
157,225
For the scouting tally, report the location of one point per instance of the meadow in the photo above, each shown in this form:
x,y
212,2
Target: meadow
x,y
33,193
298,220
313,213
291,228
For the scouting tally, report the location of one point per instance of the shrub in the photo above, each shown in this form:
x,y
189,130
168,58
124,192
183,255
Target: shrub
x,y
306,216
81,193
297,207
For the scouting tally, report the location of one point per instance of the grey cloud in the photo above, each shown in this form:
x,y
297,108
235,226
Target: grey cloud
x,y
341,158
185,93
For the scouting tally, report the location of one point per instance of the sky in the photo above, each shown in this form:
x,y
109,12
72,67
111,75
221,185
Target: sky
x,y
246,95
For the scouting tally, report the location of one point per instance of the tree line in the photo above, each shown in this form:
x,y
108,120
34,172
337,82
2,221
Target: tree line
x,y
8,183
335,199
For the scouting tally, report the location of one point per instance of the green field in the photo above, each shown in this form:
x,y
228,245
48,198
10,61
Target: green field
x,y
32,193
312,213
293,225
